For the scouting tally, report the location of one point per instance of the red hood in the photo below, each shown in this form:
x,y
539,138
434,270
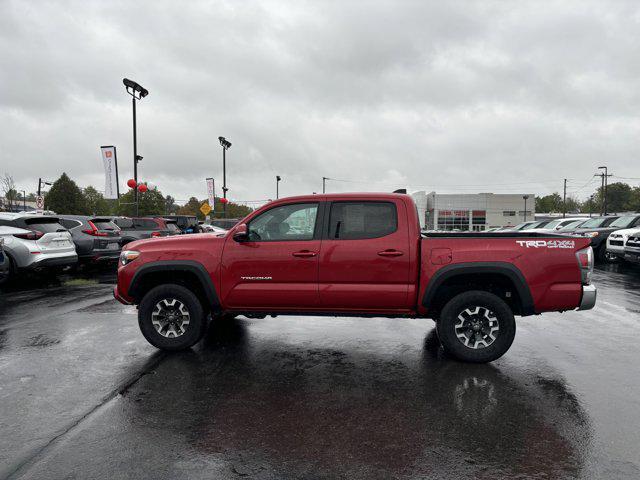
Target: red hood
x,y
179,246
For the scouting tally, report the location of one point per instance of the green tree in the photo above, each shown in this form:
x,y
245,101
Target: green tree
x,y
192,207
170,206
549,203
619,197
65,197
95,202
151,203
634,203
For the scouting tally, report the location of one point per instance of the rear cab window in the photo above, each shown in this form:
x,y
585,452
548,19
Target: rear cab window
x,y
354,220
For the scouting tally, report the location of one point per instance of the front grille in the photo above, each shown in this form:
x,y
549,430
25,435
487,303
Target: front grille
x,y
616,243
633,242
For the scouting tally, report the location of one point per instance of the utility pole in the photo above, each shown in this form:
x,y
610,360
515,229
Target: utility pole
x,y
324,182
564,200
278,178
605,184
137,92
24,200
525,198
226,144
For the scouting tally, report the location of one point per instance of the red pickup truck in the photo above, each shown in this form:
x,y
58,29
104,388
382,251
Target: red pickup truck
x,y
354,255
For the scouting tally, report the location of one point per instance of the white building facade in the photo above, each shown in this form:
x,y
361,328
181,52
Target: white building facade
x,y
473,211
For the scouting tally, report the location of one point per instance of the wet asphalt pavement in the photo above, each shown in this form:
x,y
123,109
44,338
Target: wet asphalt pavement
x,y
82,395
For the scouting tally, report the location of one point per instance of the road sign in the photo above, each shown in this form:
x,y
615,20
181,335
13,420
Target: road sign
x,y
205,208
39,202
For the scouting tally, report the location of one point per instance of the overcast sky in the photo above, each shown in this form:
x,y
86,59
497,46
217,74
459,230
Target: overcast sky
x,y
452,96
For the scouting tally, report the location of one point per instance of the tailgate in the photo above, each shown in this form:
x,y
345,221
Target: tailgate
x,y
55,242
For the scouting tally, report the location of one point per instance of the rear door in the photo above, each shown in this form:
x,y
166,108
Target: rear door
x,y
277,268
364,259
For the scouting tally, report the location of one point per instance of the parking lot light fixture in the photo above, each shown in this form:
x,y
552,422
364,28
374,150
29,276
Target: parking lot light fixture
x,y
226,144
137,92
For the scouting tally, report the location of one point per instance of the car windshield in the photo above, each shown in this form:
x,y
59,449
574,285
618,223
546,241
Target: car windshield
x,y
171,226
45,225
520,226
624,222
574,224
593,223
104,224
553,224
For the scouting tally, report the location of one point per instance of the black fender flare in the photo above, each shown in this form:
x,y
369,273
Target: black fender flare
x,y
509,270
190,266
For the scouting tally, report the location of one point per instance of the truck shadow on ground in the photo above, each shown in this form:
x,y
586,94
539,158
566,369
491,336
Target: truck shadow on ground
x,y
295,410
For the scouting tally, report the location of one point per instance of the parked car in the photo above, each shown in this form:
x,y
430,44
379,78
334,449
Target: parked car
x,y
617,241
207,228
600,234
523,226
138,228
96,239
226,223
632,248
172,226
356,255
36,242
186,223
558,224
5,266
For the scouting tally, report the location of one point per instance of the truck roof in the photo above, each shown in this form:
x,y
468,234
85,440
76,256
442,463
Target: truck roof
x,y
344,196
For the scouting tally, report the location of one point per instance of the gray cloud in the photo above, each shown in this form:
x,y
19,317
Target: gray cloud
x,y
456,96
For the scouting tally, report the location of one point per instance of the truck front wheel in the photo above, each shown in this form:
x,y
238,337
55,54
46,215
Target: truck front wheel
x,y
171,317
476,326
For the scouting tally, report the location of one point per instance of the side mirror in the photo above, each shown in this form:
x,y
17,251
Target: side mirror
x,y
241,233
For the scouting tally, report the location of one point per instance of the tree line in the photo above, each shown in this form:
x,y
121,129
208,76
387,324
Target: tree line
x,y
66,197
621,197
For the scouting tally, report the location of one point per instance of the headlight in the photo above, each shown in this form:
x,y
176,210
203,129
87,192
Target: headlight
x,y
128,256
592,234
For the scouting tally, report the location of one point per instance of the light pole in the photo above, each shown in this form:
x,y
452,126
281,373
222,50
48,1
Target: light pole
x,y
605,181
278,178
525,197
225,146
324,182
137,92
24,201
40,183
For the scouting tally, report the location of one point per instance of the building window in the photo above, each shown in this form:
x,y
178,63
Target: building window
x,y
479,218
453,220
509,213
522,213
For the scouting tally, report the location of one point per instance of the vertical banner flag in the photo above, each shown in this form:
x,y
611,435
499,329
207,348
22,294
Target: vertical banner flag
x,y
110,162
211,192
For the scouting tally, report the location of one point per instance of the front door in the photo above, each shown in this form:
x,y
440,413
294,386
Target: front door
x,y
364,259
277,267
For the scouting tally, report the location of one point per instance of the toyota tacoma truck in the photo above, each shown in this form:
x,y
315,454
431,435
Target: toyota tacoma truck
x,y
359,255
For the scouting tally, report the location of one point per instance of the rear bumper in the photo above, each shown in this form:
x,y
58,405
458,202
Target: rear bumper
x,y
589,294
51,261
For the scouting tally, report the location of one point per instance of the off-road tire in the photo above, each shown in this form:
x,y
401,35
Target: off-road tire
x,y
193,332
449,317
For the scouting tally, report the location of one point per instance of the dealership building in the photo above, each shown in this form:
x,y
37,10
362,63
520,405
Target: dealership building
x,y
473,211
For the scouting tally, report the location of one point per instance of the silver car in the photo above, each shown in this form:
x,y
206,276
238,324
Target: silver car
x,y
33,242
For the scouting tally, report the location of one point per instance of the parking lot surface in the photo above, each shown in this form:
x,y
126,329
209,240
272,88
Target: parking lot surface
x,y
82,395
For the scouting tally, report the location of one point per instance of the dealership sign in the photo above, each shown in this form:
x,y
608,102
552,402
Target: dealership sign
x,y
211,193
110,163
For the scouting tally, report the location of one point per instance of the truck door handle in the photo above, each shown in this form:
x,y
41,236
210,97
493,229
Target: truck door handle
x,y
390,252
304,254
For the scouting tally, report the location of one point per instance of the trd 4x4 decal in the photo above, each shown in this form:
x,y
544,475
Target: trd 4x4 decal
x,y
547,243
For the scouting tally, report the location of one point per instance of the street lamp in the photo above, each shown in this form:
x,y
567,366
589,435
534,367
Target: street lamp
x,y
525,197
226,144
605,181
24,200
324,182
137,92
278,178
40,184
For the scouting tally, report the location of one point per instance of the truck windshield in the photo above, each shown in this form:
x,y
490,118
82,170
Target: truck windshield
x,y
624,222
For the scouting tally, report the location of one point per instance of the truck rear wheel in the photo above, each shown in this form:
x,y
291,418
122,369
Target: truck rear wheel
x,y
476,326
171,317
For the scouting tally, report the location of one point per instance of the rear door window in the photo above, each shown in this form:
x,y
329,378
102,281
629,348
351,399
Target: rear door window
x,y
361,220
69,223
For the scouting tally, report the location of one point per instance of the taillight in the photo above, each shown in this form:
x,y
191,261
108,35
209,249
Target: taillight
x,y
156,234
585,262
32,235
94,231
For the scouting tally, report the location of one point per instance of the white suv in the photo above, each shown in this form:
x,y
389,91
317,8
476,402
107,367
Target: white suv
x,y
617,240
36,242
